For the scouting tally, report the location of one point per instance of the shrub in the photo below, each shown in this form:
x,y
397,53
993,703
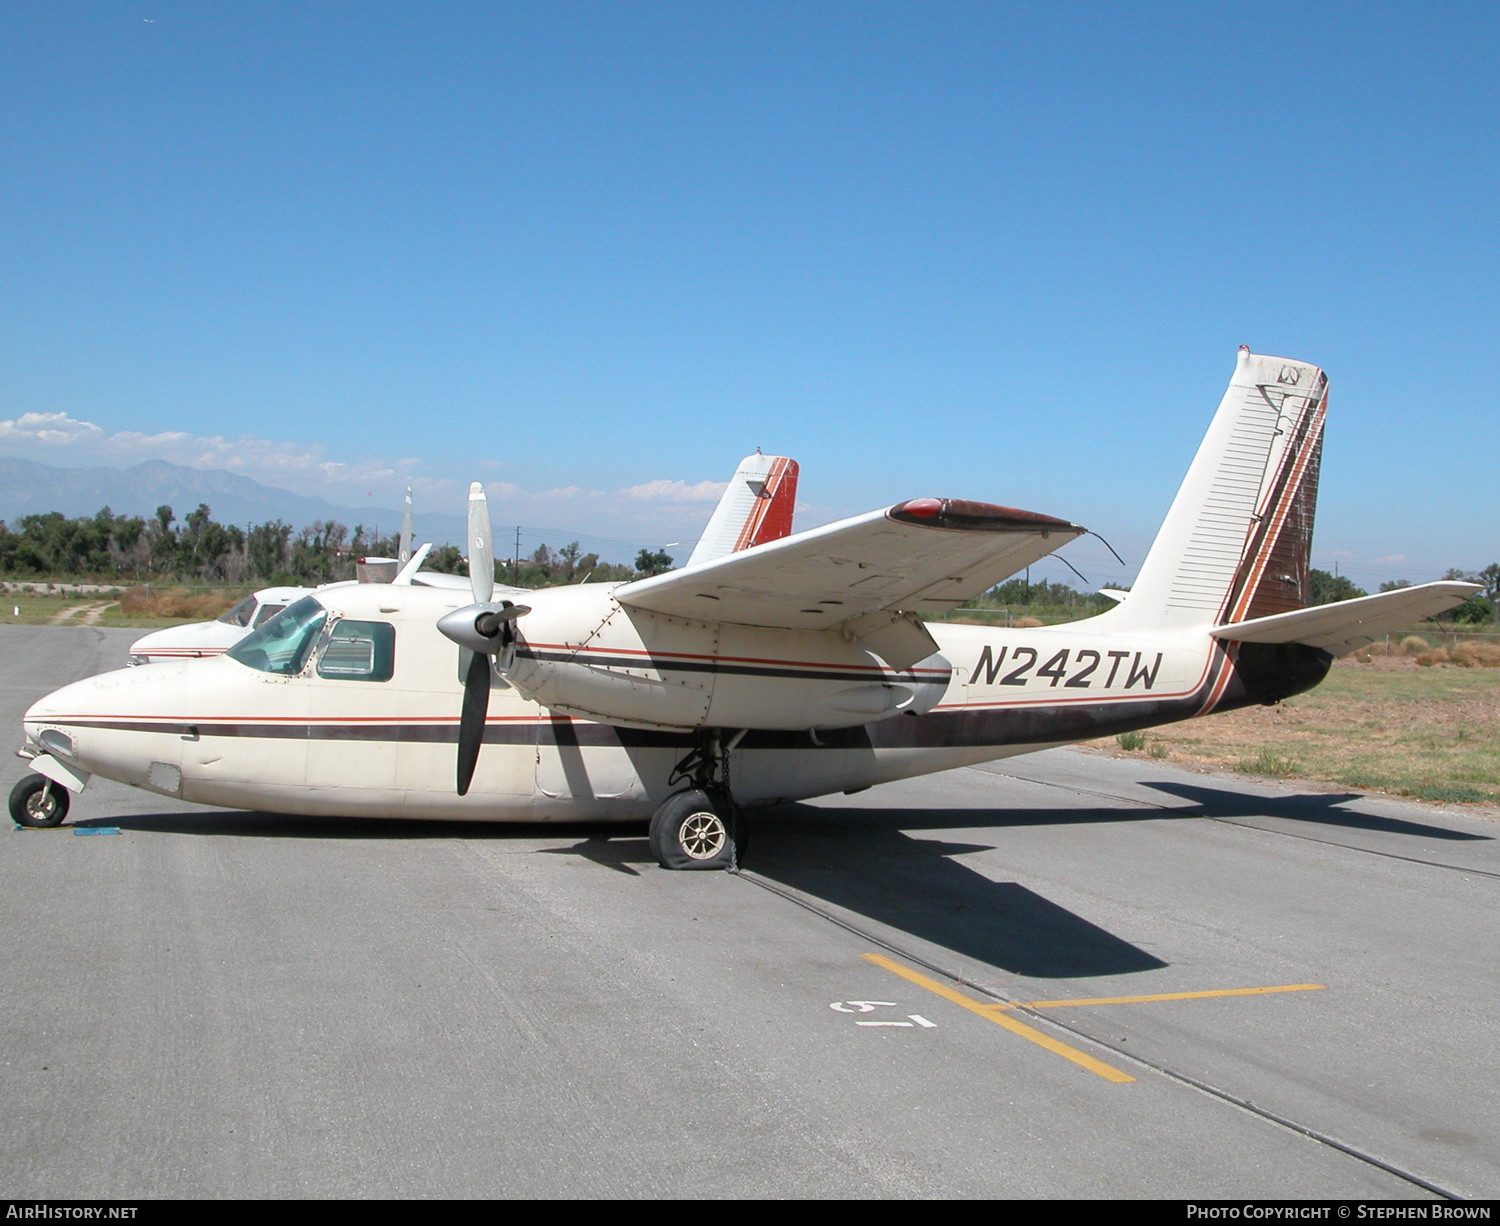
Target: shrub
x,y
1132,741
1268,762
1477,655
1026,623
1414,644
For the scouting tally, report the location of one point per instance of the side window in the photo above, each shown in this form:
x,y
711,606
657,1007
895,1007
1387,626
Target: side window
x,y
267,612
359,651
240,614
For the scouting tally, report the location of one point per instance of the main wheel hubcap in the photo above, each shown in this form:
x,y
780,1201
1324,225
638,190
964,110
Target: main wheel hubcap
x,y
703,835
41,804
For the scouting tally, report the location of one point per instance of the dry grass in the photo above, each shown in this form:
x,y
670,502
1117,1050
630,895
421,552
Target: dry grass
x,y
175,603
1470,653
1391,725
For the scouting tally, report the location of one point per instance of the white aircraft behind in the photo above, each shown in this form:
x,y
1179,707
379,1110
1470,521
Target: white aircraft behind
x,y
770,668
196,640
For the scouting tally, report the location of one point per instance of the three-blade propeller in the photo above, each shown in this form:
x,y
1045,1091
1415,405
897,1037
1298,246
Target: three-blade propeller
x,y
484,628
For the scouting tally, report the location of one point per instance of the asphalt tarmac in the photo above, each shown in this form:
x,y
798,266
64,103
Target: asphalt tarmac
x,y
932,988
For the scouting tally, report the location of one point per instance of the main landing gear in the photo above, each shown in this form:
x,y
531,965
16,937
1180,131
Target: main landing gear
x,y
700,827
38,801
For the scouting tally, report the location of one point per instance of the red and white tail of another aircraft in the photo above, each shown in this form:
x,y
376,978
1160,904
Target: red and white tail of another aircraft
x,y
756,508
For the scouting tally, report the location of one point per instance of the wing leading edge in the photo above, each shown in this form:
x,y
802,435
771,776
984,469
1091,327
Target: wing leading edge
x,y
873,575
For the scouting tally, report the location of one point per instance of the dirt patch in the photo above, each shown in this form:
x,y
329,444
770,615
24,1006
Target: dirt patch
x,y
81,614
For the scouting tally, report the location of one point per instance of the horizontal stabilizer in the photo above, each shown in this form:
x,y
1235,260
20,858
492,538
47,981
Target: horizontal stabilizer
x,y
922,557
1350,624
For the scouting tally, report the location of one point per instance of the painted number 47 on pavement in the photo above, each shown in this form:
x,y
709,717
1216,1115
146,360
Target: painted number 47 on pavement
x,y
869,1006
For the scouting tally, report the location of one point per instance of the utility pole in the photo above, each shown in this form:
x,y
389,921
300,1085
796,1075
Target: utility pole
x,y
515,573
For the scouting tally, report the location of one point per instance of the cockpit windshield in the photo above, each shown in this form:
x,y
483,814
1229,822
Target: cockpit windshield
x,y
240,614
282,644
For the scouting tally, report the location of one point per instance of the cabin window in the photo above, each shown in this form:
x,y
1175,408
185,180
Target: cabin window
x,y
359,651
283,644
240,614
267,612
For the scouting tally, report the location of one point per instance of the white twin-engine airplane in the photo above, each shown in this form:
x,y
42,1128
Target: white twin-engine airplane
x,y
772,667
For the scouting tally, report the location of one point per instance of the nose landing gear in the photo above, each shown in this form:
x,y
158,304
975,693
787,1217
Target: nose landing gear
x,y
37,801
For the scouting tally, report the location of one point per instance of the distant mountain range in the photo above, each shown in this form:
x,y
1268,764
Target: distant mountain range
x,y
28,488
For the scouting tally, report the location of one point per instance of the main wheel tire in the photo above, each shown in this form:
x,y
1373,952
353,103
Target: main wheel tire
x,y
39,802
694,830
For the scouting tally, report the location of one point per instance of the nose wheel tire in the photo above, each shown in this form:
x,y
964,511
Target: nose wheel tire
x,y
39,802
695,830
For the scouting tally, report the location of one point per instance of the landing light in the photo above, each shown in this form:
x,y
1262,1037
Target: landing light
x,y
56,742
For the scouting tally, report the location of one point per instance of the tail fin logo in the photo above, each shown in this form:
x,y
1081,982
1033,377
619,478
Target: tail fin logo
x,y
1273,575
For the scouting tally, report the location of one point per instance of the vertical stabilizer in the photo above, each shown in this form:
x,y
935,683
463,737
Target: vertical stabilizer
x,y
1236,543
756,508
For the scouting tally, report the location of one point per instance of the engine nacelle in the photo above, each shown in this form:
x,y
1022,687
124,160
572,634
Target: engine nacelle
x,y
581,653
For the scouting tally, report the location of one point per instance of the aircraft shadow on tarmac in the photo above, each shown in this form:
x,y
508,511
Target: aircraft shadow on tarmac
x,y
871,862
861,860
1312,807
866,861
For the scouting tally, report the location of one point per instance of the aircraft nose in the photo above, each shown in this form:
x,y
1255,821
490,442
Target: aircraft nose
x,y
80,723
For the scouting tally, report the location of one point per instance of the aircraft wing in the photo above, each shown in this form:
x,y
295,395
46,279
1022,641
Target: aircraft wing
x,y
872,574
1349,624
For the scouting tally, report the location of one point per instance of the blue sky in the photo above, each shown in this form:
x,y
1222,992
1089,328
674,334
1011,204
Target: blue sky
x,y
593,253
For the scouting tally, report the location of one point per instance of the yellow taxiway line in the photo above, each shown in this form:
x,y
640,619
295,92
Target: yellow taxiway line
x,y
995,1012
1140,1000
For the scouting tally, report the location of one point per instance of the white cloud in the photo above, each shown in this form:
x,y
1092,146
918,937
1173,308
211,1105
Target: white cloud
x,y
262,459
48,430
677,491
663,509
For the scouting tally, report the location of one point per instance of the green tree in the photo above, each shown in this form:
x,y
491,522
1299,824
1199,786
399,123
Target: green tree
x,y
446,560
1472,611
268,547
649,563
1326,588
